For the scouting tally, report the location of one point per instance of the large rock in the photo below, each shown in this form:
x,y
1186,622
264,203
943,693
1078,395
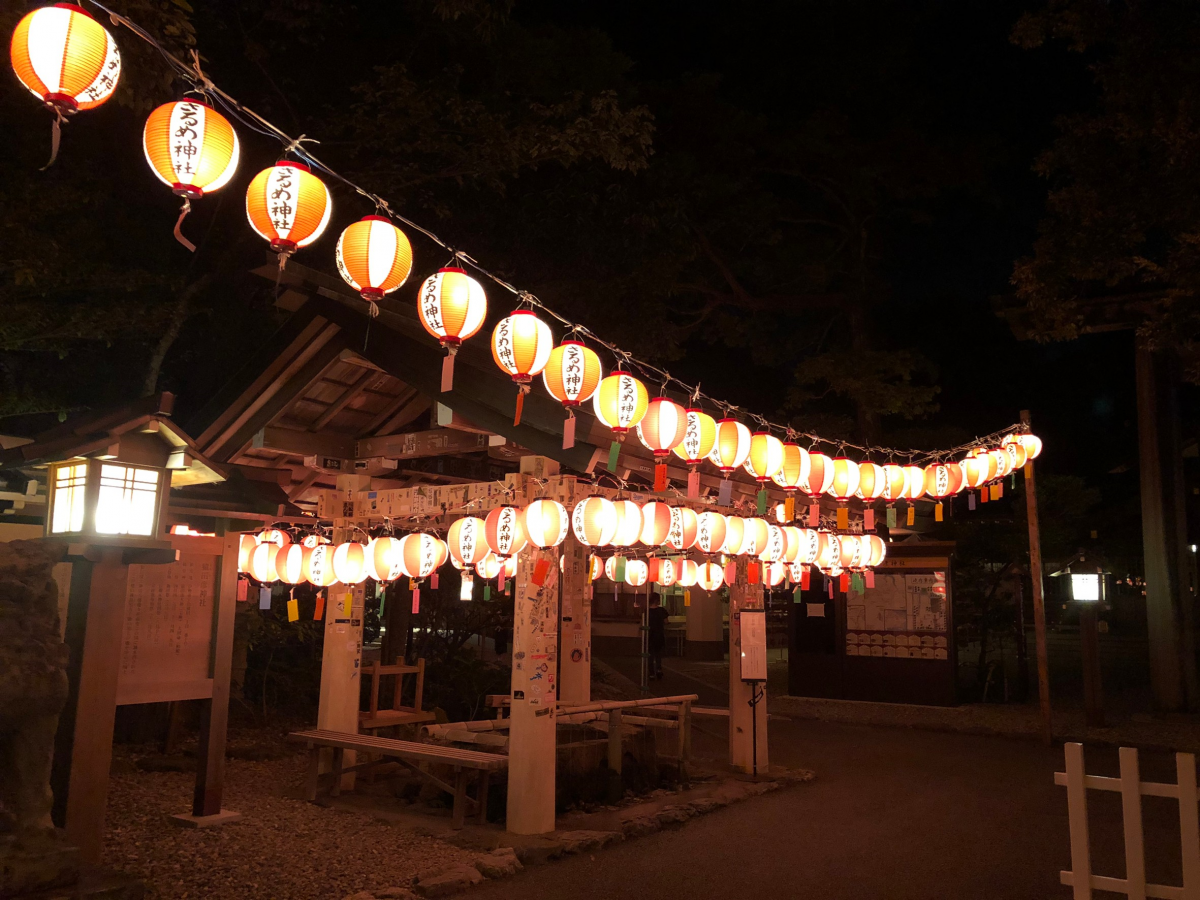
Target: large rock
x,y
500,863
448,881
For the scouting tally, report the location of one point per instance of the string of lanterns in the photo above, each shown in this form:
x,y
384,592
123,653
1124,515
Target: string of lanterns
x,y
71,63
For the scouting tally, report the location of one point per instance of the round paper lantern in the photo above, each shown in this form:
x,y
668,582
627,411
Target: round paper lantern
x,y
466,540
766,456
663,427
418,554
794,470
974,470
1016,454
191,147
844,483
314,540
572,373
689,572
656,523
246,547
289,564
521,345
1003,462
874,550
383,559
731,447
796,570
710,577
684,528
262,563
508,565
374,257
942,480
1031,442
895,479
620,402
595,567
809,544
711,529
794,537
452,307
443,552
775,547
350,563
735,535
288,206
318,565
65,58
850,552
610,567
756,536
545,523
594,521
274,536
663,571
488,567
914,483
636,572
871,481
774,573
699,436
629,523
504,532
829,551
819,478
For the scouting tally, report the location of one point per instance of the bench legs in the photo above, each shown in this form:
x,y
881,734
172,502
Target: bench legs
x,y
336,790
314,772
485,778
460,796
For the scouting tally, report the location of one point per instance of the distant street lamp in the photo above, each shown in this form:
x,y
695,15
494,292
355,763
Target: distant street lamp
x,y
1087,583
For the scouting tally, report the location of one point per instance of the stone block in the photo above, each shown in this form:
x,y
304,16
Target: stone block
x,y
500,863
449,881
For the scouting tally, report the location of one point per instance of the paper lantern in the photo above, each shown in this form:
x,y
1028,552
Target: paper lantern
x,y
192,149
350,563
699,436
288,206
374,257
612,567
489,567
508,566
629,523
689,572
942,480
844,483
383,559
775,547
620,402
521,346
1004,465
274,536
711,529
731,447
850,552
975,471
594,521
289,564
418,554
442,549
1016,454
65,58
874,550
756,536
503,531
710,577
572,373
262,563
595,567
246,545
914,483
684,528
314,540
765,458
545,523
467,541
735,535
452,306
819,478
794,470
663,427
1031,442
829,550
774,573
809,546
656,523
871,481
636,572
318,565
794,537
895,479
663,571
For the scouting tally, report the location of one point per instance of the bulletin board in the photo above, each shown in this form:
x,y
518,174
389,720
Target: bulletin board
x,y
891,642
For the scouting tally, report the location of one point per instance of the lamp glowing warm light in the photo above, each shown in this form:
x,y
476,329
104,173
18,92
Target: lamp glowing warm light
x,y
663,571
711,529
620,402
636,572
775,547
656,523
545,523
629,523
732,446
689,573
774,573
765,458
710,577
819,478
1031,442
467,541
663,427
871,481
318,565
488,567
374,257
288,206
383,559
794,470
735,535
65,58
914,483
503,531
262,563
452,306
756,536
289,564
350,563
594,521
699,437
684,528
895,480
418,555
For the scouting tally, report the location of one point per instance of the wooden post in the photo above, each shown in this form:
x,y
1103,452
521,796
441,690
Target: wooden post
x,y
1039,597
743,741
616,786
1131,812
684,739
341,660
532,749
1089,634
575,661
1077,817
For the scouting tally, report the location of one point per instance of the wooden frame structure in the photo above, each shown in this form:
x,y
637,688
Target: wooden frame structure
x,y
397,714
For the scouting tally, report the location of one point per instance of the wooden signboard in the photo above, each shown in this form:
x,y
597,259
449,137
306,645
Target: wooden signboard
x,y
892,642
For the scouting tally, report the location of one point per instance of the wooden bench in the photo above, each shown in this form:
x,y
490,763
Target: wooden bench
x,y
410,755
374,717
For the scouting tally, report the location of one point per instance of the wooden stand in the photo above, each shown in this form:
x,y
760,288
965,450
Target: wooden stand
x,y
747,723
1089,634
398,714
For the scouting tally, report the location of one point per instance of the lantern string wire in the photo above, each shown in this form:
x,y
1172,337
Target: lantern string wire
x,y
257,123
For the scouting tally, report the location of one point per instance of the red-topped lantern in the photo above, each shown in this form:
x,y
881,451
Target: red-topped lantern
x,y
521,345
452,306
661,430
571,377
503,531
594,521
699,437
629,523
374,257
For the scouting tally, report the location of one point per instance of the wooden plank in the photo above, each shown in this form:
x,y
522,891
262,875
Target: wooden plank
x,y
1189,824
1081,854
405,415
391,747
351,393
305,443
1131,811
165,691
417,444
406,395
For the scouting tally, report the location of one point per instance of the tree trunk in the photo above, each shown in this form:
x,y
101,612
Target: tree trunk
x,y
1169,591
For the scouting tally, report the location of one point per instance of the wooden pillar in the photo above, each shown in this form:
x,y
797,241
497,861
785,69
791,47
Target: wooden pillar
x,y
341,666
744,719
705,624
1039,597
96,702
575,662
532,738
1169,591
214,718
1089,635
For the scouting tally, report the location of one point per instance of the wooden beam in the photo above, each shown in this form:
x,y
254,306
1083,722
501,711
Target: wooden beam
x,y
295,493
405,396
305,443
1039,600
352,391
416,444
405,415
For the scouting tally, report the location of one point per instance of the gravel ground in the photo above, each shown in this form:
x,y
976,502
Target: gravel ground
x,y
284,848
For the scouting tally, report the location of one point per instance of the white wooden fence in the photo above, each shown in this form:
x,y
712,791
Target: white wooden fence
x,y
1077,782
